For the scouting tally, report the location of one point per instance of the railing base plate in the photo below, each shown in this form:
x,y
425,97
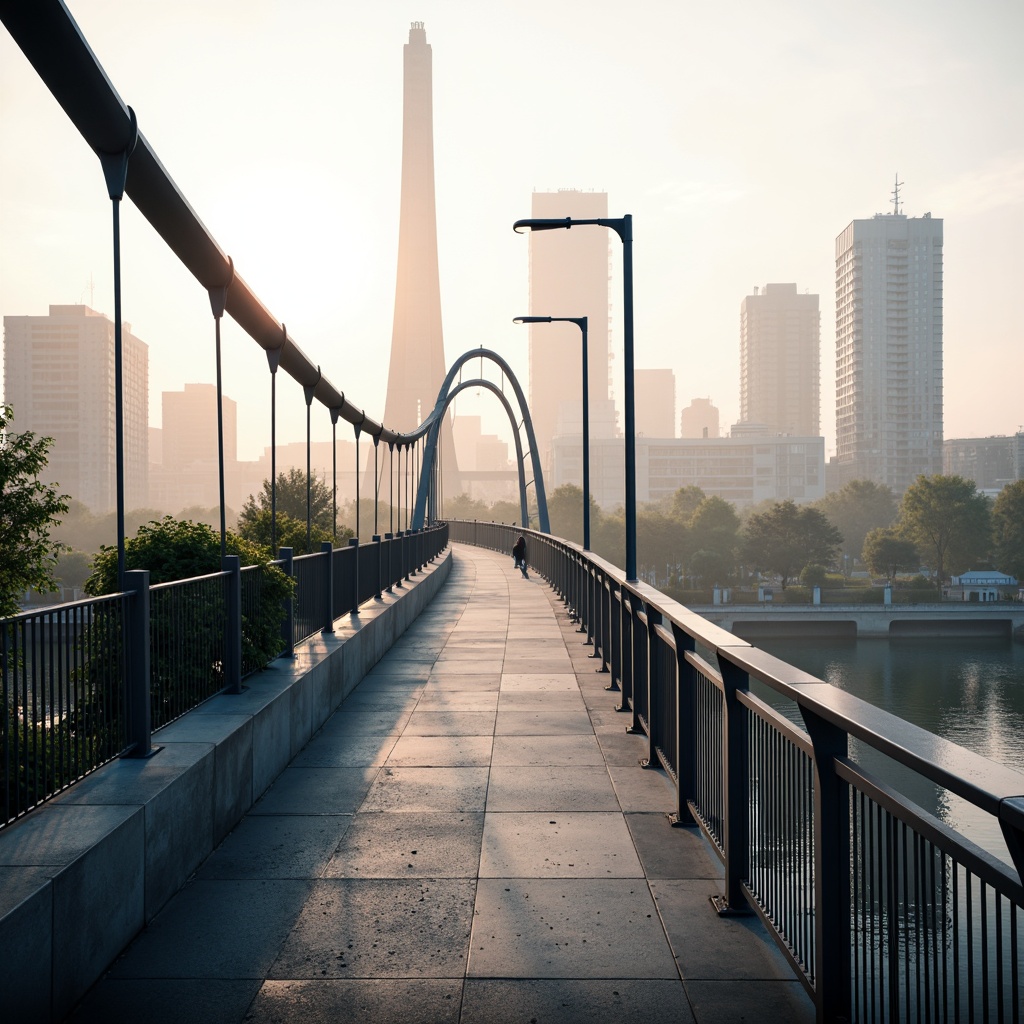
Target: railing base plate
x,y
722,909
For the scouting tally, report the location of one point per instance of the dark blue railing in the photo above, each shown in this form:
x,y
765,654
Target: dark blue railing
x,y
885,912
83,683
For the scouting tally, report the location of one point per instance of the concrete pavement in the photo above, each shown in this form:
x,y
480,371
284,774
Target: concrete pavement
x,y
469,839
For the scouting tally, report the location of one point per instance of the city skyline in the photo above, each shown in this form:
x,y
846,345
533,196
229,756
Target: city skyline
x,y
681,132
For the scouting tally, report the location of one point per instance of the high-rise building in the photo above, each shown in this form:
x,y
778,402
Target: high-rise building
x,y
991,462
699,419
569,273
780,360
655,398
418,367
186,471
59,376
889,349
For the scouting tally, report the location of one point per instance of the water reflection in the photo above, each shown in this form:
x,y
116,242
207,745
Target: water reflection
x,y
969,692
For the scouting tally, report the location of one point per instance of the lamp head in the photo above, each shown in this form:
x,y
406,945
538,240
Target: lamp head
x,y
545,224
531,320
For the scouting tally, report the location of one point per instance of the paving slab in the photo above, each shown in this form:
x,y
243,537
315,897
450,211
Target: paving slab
x,y
550,788
539,680
317,791
431,722
380,928
231,928
572,1001
546,750
566,844
567,928
543,723
441,751
428,789
409,845
346,751
209,1000
362,1001
277,846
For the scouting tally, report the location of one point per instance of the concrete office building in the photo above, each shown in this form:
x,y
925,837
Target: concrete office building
x,y
889,349
59,375
780,360
700,419
569,274
742,470
184,471
991,462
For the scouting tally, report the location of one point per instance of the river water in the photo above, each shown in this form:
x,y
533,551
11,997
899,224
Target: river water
x,y
968,691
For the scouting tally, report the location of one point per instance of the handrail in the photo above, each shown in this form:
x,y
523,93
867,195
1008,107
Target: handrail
x,y
56,48
883,911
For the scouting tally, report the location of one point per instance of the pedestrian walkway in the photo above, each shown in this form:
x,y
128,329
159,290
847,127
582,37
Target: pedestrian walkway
x,y
470,838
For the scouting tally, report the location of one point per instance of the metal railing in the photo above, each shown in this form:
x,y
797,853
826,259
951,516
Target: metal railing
x,y
86,682
885,912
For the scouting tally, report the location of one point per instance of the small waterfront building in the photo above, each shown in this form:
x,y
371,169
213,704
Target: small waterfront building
x,y
981,585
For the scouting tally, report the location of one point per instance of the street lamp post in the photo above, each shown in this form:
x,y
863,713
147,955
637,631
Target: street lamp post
x,y
581,323
623,227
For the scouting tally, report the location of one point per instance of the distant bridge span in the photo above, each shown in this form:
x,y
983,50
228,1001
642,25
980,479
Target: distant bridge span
x,y
948,619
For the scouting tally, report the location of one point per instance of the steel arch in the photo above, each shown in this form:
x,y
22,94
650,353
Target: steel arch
x,y
431,428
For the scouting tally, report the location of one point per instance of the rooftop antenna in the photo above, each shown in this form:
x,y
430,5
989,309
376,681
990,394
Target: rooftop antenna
x,y
896,196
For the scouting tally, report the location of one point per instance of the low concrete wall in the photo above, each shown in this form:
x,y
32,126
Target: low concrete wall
x,y
83,874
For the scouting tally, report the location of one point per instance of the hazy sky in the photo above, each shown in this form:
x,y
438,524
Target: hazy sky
x,y
743,137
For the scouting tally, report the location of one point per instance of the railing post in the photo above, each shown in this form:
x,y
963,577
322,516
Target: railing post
x,y
616,618
377,562
232,565
686,727
832,968
327,550
654,710
288,629
390,539
140,734
631,664
353,542
735,789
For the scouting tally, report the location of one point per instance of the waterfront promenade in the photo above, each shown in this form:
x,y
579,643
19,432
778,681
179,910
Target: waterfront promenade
x,y
470,838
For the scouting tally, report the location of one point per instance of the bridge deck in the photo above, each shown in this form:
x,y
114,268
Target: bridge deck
x,y
470,838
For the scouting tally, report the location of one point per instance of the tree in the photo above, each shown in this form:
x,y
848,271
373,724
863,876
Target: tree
x,y
1008,529
786,538
885,553
462,506
685,502
73,568
506,512
210,514
29,511
658,541
946,516
179,550
565,511
856,509
290,534
291,499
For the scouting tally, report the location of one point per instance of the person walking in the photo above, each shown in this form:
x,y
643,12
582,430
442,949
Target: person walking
x,y
519,556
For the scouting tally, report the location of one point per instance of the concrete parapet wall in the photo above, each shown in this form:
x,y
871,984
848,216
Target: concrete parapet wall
x,y
83,874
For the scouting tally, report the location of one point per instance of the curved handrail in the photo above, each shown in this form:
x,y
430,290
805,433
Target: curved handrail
x,y
55,46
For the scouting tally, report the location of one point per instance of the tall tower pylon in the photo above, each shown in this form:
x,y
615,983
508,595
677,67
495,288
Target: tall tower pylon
x,y
417,366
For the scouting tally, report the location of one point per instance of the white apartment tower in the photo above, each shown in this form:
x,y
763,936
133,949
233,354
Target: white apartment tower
x,y
780,361
59,377
889,349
